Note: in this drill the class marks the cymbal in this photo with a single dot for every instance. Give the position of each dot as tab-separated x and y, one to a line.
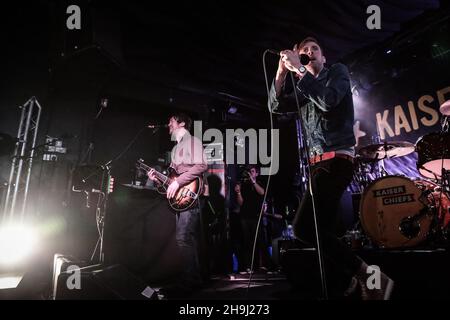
387	150
445	108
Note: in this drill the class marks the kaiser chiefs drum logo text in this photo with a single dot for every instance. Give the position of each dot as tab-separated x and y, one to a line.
393	195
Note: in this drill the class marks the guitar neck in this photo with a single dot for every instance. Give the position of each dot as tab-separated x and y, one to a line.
161	177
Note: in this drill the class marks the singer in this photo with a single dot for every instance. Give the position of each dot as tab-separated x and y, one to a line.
326	109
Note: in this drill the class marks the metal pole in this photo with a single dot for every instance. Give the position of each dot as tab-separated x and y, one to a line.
19	181
24	140
30	161
13	163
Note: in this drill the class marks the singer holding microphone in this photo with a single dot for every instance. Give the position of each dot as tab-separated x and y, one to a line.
326	109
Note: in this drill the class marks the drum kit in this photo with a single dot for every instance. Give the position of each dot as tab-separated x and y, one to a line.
396	211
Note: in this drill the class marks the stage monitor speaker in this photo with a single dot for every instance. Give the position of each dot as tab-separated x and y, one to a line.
98	282
299	263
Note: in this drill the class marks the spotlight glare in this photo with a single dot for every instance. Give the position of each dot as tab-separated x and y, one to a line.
16	243
9	281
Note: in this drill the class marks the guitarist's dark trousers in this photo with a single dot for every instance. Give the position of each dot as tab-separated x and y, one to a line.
187	237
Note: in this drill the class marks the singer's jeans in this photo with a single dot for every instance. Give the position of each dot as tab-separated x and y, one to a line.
330	179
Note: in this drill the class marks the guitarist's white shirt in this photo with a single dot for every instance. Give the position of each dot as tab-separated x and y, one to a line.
188	157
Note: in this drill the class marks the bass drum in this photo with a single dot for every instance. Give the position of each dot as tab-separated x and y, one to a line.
394	213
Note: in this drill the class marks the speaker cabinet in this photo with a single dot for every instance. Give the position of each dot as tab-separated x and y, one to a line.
98	282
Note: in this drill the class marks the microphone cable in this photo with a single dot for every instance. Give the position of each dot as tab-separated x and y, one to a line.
268	179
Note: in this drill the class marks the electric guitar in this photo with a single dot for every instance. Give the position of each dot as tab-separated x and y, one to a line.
185	196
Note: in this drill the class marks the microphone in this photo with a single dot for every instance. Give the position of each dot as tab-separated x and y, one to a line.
277	53
154	126
304	58
104	102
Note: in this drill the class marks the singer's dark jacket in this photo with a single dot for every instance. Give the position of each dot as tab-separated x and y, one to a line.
326	108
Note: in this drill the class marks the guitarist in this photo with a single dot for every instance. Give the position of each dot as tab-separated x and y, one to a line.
188	159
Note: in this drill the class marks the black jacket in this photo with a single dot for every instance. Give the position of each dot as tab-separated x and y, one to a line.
326	108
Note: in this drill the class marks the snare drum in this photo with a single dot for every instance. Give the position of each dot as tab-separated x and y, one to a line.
394	213
433	151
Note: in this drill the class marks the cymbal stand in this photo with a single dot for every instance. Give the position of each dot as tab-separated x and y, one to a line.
383	172
444	181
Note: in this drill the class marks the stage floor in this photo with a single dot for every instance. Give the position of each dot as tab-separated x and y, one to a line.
418	274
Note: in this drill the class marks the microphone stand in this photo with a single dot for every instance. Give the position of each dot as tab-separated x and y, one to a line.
102	205
311	191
